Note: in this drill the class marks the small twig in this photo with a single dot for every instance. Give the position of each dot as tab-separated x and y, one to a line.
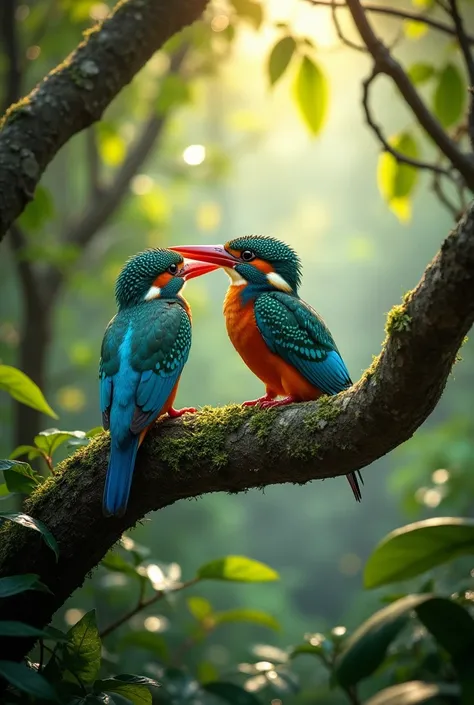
463	39
387	147
398	14
337	26
437	187
143	604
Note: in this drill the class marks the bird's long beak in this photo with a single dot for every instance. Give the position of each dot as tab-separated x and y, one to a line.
195	269
214	254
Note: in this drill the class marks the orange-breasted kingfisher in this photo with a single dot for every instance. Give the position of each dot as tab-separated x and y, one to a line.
278	335
144	350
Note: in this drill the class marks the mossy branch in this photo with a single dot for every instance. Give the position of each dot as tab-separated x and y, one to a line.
233	448
76	93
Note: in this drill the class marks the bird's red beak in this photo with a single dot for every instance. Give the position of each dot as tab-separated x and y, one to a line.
195	269
214	254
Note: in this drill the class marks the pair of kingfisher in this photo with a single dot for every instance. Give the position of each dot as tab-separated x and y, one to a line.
146	345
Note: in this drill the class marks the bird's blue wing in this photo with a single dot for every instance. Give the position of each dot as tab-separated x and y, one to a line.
295	332
160	347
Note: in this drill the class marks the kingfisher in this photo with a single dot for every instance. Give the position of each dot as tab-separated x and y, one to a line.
282	339
144	350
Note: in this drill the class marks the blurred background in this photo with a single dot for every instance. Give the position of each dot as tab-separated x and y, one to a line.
200	149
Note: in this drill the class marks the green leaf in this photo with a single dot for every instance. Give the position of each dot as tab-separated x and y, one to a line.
113	561
38	211
20	476
146	640
311	92
414	693
4	491
280	58
137	694
22	629
247	615
199	607
397	181
416	548
15	584
237	568
83	649
94	431
450	96
414	29
30	451
27	680
249	10
24	390
421	72
230	693
30	523
365	650
51	439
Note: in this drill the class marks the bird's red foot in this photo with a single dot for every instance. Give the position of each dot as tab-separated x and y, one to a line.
176	413
259	401
278	402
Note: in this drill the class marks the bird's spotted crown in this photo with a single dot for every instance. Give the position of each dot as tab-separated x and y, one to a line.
281	256
139	273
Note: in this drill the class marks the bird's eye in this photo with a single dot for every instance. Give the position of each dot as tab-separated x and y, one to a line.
247	255
173	268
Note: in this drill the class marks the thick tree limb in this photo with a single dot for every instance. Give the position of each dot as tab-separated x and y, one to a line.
233	449
75	94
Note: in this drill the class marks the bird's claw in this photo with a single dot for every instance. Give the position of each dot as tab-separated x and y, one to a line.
258	402
176	413
277	402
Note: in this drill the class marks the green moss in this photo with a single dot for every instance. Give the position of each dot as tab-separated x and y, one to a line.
15	111
206	442
261	423
398	321
458	357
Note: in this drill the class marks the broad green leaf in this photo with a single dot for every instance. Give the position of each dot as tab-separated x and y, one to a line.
30	451
397	181
450	96
249	10
15	584
38	211
415	693
136	693
94	431
247	615
27	680
280	58
416	548
237	568
51	439
199	607
30	523
311	91
151	641
113	561
22	629
24	390
231	693
421	72
4	491
83	649
365	650
19	476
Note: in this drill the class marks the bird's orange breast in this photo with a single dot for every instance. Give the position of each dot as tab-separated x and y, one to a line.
279	377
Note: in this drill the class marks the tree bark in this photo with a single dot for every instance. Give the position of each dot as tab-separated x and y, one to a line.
234	448
76	93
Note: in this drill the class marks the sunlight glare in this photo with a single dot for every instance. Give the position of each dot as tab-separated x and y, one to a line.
440	476
195	154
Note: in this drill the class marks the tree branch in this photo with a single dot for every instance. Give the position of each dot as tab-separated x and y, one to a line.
397	14
387	64
75	94
234	448
387	147
463	39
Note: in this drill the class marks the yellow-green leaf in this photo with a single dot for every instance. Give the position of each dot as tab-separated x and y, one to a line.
397	181
311	92
414	29
450	96
199	607
247	615
237	568
23	389
421	72
280	58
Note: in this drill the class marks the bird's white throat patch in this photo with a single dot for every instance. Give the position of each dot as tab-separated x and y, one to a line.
234	276
276	280
154	292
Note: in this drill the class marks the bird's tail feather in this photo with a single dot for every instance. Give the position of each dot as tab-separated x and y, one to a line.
119	477
353	478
